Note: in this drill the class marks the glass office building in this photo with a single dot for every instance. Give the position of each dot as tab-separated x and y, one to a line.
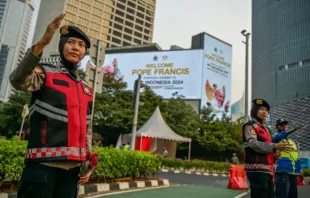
280	50
237	109
15	24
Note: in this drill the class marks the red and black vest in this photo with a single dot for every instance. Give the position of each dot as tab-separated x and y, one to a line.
255	161
60	113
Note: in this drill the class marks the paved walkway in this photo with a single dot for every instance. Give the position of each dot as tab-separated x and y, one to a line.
186	191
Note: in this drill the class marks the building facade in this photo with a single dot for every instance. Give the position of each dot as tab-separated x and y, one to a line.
280	50
16	17
297	113
237	109
115	22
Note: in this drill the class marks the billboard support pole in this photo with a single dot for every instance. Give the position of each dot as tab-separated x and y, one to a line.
135	117
246	94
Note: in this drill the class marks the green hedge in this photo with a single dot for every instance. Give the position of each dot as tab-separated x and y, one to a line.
196	164
113	163
12	153
306	172
118	163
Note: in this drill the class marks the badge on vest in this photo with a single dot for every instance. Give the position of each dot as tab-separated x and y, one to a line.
38	70
252	130
86	89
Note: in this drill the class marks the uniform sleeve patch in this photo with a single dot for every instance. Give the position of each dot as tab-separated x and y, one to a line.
252	130
38	70
86	89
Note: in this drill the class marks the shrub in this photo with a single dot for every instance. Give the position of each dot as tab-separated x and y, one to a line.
196	164
306	172
12	154
113	163
118	163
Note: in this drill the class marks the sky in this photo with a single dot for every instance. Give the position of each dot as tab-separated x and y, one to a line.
176	21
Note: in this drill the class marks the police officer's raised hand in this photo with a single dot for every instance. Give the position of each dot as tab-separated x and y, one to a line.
48	35
51	29
283	146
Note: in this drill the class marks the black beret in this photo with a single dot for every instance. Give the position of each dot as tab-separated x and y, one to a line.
261	103
73	31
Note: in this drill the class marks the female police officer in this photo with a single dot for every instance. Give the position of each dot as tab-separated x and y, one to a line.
60	113
259	151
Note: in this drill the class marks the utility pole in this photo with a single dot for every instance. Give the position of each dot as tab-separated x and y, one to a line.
246	94
137	87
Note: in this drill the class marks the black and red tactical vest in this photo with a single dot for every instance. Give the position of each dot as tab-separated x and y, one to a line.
255	161
60	113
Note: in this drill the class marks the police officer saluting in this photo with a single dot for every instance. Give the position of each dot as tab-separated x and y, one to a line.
60	115
259	151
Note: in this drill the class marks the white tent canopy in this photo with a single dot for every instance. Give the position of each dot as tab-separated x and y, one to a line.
156	127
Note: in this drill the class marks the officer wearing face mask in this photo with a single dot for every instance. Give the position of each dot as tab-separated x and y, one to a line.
259	151
60	113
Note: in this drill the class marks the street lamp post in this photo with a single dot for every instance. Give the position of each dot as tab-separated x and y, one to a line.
136	110
246	94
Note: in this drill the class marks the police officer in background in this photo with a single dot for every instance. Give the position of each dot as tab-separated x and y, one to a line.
259	151
288	165
60	113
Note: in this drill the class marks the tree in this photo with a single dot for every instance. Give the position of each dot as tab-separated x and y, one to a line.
211	137
10	113
182	119
114	113
81	73
219	137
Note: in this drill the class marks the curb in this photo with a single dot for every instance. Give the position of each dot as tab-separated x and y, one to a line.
101	188
196	173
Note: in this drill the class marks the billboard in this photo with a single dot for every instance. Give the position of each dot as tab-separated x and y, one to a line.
216	76
165	72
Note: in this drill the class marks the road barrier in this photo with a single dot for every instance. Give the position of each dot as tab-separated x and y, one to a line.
300	181
237	179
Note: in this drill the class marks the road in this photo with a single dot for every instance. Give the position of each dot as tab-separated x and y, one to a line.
193	179
191	191
194	186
